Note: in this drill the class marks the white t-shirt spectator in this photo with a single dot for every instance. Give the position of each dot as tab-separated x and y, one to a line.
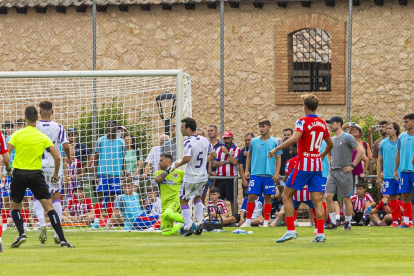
153	158
153	208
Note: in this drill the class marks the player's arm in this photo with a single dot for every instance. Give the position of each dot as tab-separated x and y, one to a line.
278	163
412	161
248	161
245	184
242	214
216	164
65	171
397	164
365	161
66	150
159	178
184	161
6	161
328	148
56	157
289	142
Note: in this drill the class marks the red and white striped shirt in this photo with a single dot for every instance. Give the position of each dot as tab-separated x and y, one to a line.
359	203
302	195
228	169
3	145
221	206
314	131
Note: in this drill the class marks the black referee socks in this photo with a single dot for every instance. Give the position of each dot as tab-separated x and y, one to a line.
18	221
55	221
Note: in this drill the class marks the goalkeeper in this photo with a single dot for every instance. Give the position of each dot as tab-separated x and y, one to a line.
169	181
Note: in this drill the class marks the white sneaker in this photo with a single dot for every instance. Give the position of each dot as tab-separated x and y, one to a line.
26	229
245	224
264	225
4	227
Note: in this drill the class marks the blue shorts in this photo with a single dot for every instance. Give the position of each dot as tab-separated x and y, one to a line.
6	189
324	184
109	185
406	183
298	179
144	222
259	185
390	186
296	204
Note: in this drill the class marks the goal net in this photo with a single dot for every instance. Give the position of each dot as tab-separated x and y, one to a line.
115	123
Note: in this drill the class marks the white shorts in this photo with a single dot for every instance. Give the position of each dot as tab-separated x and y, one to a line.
191	190
53	187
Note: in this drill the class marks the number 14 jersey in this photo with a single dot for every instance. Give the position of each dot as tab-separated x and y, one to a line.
198	147
314	131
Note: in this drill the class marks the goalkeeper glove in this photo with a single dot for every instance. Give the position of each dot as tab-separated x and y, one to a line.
170	169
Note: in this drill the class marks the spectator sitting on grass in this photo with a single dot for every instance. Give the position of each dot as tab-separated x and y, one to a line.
79	209
216	202
257	218
381	214
362	203
152	205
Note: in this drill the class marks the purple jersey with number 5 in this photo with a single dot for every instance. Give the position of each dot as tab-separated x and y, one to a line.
198	147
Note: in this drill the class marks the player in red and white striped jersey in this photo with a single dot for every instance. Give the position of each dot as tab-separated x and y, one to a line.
302	195
216	202
309	133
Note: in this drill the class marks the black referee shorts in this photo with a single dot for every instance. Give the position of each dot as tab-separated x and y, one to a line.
23	179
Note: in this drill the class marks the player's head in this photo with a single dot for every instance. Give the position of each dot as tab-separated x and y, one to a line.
248	138
228	138
393	129
264	127
287	133
214	194
46	109
383	127
200	131
212	131
188	126
127	186
294	149
165	161
310	103
20	123
111	127
409	122
79	192
31	115
152	192
361	188
335	123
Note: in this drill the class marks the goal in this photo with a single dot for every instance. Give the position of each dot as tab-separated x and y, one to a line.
142	106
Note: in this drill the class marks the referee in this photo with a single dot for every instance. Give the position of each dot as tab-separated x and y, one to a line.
29	145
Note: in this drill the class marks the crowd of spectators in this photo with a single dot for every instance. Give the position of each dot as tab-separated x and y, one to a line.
117	156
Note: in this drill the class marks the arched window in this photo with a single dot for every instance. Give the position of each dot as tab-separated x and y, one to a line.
311	60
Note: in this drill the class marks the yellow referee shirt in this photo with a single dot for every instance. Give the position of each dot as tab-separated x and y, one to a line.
29	144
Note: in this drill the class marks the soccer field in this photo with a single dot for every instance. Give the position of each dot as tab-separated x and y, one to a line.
361	251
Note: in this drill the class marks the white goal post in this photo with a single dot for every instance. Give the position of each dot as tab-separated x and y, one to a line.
144	103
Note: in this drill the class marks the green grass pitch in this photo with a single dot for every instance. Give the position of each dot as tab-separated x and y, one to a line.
361	251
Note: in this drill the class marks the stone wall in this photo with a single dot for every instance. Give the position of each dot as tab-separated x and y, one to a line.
382	68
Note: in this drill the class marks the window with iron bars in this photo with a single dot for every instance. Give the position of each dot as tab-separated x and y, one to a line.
311	60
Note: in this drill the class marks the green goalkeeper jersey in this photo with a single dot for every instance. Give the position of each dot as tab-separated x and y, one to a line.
170	188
